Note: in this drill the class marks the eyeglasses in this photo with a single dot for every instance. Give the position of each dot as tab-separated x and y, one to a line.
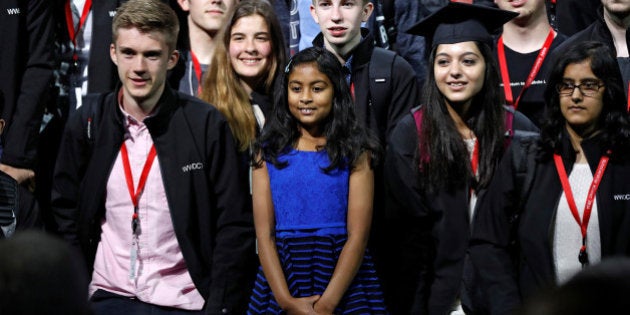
587	88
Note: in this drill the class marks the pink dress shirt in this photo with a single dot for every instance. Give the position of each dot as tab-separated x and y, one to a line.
161	276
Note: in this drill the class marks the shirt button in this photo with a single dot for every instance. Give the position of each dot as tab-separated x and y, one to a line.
224	311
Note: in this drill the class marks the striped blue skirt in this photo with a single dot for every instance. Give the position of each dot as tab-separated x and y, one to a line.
308	264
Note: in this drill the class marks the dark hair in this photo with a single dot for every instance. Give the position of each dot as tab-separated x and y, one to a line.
346	140
443	157
613	121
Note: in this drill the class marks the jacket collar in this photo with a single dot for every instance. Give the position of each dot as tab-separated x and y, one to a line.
592	148
361	53
166	105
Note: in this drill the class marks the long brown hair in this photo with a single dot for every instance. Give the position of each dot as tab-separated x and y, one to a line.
222	86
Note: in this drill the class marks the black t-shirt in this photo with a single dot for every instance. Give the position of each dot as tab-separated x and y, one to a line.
532	102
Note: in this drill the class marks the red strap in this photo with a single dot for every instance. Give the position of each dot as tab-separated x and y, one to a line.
628	96
352	90
197	67
505	75
70	22
599	173
474	161
135	194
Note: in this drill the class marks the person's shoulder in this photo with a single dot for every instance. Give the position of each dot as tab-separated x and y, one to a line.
522	123
401	66
96	101
592	32
384	57
558	40
189	102
196	108
405	133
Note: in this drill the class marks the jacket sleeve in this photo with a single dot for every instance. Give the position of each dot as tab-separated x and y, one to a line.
72	159
405	96
233	257
23	125
491	239
406	210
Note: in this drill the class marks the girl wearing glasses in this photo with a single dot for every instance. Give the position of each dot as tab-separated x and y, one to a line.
559	202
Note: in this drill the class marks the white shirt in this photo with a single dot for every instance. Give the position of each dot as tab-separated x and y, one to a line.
567	237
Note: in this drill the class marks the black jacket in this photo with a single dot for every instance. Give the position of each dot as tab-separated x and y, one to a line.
573	16
405	92
26	72
493	241
597	31
210	205
433	230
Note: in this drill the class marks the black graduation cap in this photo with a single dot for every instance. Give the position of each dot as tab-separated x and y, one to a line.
461	22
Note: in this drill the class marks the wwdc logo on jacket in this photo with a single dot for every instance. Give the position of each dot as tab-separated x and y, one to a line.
192	167
13	11
621	197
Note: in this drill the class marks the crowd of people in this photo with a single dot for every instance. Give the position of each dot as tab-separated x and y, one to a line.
313	156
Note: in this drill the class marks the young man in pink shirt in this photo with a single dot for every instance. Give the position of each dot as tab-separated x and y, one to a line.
149	185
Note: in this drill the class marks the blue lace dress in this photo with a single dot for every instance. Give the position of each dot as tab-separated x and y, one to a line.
310	211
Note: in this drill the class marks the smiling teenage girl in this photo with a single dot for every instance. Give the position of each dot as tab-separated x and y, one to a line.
246	61
439	162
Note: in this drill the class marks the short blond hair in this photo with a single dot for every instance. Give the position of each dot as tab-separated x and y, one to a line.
363	2
147	16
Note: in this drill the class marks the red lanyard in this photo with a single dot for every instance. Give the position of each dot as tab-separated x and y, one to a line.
197	67
352	90
601	167
532	73
70	22
135	194
629	97
474	161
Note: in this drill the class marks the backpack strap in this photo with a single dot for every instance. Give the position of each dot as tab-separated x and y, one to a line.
380	75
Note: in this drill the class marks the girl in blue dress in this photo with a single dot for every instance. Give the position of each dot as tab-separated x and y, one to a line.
312	195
